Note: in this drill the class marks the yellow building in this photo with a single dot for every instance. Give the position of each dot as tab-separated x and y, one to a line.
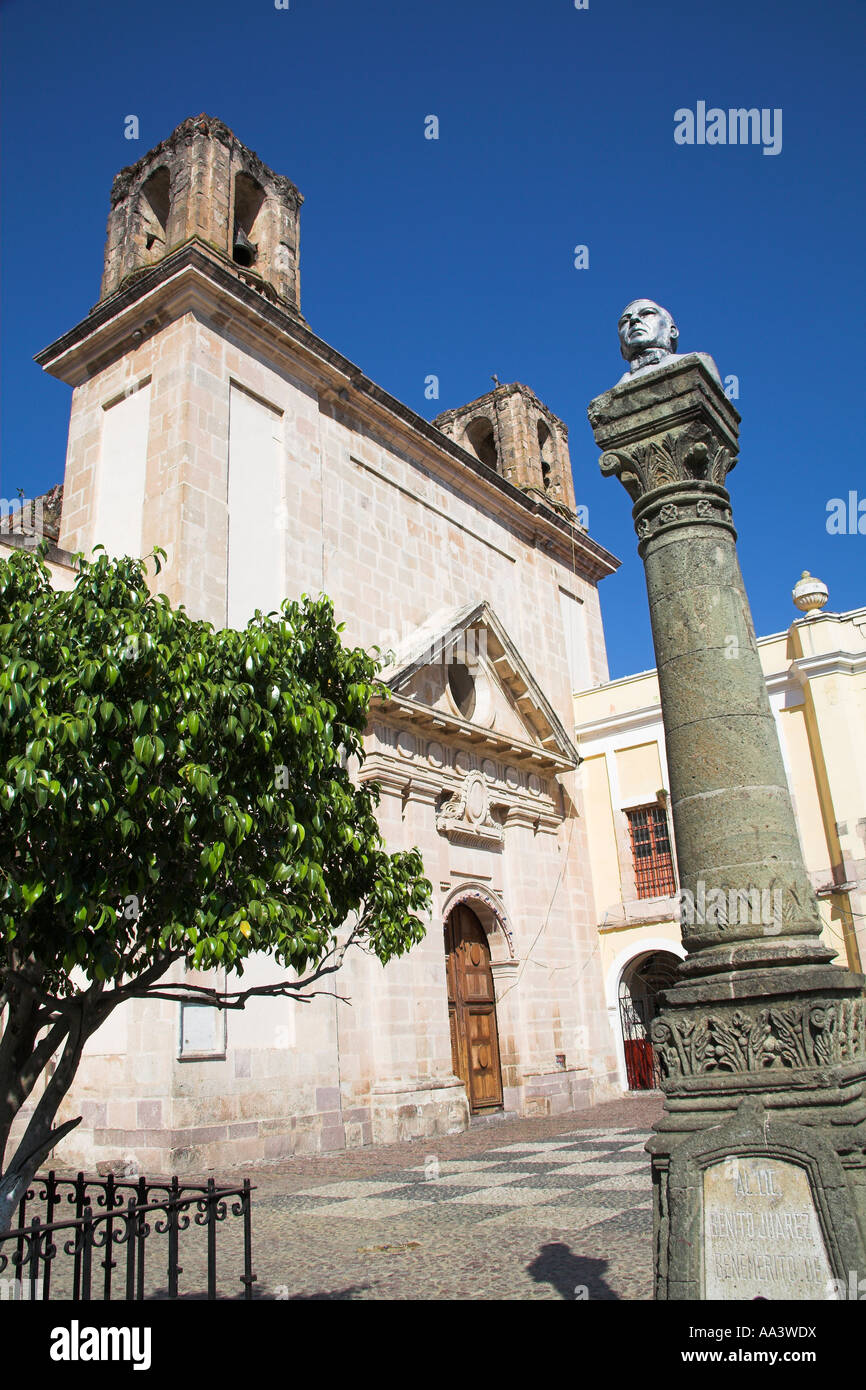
816	680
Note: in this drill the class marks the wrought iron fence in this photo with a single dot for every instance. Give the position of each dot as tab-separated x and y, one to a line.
72	1256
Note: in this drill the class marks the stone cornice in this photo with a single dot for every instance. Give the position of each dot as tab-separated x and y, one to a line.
839	663
53	553
197	278
628	722
793	677
411	780
649	717
677	395
853	615
405	713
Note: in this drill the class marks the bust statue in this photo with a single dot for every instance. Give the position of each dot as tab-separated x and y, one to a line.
648	339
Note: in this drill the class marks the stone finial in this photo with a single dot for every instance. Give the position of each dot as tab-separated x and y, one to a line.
809	594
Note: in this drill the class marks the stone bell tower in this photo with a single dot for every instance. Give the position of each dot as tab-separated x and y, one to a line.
182	412
511	430
202	183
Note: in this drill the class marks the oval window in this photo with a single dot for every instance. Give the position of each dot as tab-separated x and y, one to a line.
462	687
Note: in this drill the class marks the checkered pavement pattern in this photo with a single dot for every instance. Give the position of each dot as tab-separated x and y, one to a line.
574	1181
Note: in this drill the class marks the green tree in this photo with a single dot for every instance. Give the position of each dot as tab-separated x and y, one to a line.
170	792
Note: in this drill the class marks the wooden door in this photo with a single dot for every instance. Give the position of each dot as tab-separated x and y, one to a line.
472	1010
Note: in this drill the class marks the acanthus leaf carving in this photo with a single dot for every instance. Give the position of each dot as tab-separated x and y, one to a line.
810	1034
680	456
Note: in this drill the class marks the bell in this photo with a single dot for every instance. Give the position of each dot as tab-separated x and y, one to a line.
243	251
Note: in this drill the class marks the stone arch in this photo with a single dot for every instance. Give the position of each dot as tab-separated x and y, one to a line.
154	206
546	452
628	959
480	438
489	910
248	229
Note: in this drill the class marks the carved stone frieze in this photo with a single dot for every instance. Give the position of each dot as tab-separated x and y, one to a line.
468	815
411	765
675	506
801	1033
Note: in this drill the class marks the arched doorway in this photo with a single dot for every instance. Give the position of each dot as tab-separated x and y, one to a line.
641	982
472	1010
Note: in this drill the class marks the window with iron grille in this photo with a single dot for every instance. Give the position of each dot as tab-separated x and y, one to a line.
651	851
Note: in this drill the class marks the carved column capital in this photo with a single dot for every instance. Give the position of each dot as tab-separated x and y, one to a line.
671	439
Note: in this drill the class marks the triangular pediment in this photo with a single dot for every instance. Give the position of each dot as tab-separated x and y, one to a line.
462	669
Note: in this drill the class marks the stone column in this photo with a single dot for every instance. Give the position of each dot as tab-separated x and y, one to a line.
759	1162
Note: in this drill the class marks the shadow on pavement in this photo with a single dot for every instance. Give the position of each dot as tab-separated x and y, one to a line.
573	1276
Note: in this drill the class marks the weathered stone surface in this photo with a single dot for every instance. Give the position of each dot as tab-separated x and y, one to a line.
511	430
695	1137
762	1236
786	1033
203	183
762	1043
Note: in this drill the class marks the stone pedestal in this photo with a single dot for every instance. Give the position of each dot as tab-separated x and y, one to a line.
759	1163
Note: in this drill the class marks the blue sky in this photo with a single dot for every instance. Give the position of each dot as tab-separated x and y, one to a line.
455	256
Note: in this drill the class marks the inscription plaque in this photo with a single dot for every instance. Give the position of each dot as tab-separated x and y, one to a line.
762	1235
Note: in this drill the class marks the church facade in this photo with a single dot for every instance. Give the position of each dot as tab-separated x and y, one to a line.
209	419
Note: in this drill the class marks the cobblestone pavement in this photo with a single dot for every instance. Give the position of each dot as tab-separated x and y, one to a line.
511	1209
521	1209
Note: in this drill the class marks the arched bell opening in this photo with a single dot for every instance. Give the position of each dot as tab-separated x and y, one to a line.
547	454
154	206
481	440
249	203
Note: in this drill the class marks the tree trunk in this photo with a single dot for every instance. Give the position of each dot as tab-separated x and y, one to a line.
21	1172
40	1137
23	1059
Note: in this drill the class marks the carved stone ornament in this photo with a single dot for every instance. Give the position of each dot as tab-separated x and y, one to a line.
475	893
683	456
467	816
814	1033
